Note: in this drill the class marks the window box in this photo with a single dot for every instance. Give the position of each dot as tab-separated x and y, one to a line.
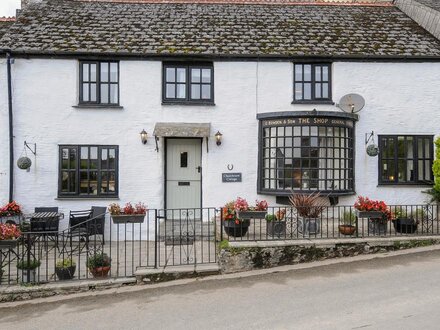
369	214
128	218
251	214
8	244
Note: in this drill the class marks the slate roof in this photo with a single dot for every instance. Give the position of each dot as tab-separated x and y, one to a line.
151	29
434	4
5	23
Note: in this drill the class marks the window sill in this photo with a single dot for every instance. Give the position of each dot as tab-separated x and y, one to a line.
97	106
207	103
325	193
72	198
418	184
314	102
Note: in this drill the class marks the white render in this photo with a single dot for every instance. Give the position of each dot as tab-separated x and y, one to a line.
401	98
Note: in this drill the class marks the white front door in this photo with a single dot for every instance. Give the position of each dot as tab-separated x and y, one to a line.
183	173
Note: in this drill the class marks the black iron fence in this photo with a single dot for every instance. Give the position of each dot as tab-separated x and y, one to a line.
95	248
332	222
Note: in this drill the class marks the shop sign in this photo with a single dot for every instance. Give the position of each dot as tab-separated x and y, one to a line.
308	121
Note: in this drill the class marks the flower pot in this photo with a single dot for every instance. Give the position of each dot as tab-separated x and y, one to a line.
405	225
28	278
236	229
309	226
251	214
276	228
347	229
128	218
100	271
8	244
369	214
65	273
377	227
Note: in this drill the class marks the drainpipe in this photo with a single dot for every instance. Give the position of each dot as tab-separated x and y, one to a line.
11	131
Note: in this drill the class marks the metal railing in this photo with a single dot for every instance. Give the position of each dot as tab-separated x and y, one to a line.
187	237
334	222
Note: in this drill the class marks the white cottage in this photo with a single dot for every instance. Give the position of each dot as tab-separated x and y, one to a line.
88	77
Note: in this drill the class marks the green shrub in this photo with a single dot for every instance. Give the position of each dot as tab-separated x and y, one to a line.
435	190
270	217
65	263
31	265
348	218
98	260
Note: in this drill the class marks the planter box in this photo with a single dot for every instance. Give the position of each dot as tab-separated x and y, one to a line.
276	228
251	214
32	276
100	272
65	273
369	214
309	226
347	230
8	244
377	228
128	218
236	230
405	226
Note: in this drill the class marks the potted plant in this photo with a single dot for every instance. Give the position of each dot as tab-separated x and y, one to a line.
406	223
275	224
11	213
9	235
28	269
377	213
309	209
65	269
99	264
258	211
232	224
348	223
128	214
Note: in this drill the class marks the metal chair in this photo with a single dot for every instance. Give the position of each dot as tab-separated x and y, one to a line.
77	232
97	222
47	224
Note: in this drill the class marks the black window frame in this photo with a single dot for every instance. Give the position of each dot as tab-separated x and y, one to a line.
188	82
395	181
98	83
77	170
313	82
346	175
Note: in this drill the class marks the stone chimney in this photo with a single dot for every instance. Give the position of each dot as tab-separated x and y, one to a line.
25	3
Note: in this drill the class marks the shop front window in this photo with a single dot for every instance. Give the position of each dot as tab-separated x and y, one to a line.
306	154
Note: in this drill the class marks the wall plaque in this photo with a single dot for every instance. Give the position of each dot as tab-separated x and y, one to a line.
231	177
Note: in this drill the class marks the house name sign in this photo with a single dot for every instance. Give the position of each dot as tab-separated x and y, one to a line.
306	121
231	177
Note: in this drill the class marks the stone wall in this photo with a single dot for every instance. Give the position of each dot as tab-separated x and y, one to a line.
239	259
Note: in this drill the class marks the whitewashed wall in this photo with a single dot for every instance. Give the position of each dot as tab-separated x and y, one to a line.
401	98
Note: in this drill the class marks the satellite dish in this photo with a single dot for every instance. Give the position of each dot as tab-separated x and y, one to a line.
351	103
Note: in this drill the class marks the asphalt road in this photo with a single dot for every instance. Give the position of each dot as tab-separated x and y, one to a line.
400	292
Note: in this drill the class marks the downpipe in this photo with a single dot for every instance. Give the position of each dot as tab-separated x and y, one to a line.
9	61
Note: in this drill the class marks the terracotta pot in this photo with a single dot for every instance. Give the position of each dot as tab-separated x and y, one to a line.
347	229
100	271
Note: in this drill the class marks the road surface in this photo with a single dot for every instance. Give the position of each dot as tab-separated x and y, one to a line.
401	292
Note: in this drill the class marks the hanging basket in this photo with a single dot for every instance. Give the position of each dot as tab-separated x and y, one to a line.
24	163
372	150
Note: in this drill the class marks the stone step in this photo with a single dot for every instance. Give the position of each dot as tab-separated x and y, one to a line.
177	271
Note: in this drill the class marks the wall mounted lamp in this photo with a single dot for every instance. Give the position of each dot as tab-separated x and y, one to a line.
144	136
218	138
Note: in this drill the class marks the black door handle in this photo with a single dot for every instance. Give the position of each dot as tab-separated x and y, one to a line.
199	169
